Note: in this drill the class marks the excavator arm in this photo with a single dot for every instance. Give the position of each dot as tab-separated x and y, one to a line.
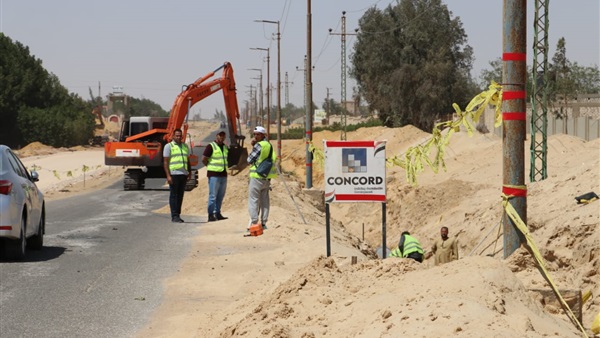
199	90
195	92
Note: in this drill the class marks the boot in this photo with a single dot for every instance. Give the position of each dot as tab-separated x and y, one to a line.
211	218
220	217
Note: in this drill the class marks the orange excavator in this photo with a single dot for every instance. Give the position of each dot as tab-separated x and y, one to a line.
143	138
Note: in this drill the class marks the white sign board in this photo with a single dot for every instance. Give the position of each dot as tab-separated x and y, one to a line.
319	115
355	171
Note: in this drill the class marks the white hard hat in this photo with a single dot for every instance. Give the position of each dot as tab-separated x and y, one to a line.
259	129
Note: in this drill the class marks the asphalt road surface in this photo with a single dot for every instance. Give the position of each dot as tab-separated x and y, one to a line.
102	268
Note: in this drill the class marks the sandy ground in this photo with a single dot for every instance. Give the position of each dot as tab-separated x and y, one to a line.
65	172
282	285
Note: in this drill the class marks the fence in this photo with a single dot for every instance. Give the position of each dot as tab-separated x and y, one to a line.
582	118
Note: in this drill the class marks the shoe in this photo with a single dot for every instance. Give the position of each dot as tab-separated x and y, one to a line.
176	219
211	218
264	225
220	217
181	221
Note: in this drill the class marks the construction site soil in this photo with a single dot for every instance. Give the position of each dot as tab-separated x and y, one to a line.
281	284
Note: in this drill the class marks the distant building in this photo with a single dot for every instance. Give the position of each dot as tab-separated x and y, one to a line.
350	106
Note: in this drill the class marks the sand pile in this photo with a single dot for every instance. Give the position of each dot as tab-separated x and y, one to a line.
390	298
36	149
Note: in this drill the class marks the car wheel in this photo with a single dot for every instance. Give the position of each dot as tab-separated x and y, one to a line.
37	242
17	247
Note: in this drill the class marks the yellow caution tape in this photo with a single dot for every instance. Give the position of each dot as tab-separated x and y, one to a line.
586	296
514	216
584	201
317	154
596	324
416	157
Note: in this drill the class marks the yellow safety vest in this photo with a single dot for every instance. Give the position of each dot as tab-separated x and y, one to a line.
264	153
218	160
411	245
179	157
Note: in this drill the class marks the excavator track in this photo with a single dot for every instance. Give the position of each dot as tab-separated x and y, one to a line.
193	182
134	179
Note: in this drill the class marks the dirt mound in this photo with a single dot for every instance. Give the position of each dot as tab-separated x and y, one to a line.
35	149
376	298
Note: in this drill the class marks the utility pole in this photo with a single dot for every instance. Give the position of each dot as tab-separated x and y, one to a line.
328	106
305	83
256	110
539	104
278	90
309	96
246	109
343	57
252	101
268	90
514	75
258	116
287	89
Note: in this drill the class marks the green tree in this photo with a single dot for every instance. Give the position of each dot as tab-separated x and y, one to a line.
145	107
65	125
587	79
333	108
569	78
494	73
562	85
411	62
34	106
290	112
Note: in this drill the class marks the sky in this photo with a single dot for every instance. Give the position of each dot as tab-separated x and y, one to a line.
153	48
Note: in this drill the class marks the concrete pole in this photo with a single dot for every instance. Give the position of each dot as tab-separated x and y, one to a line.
262	111
278	97
308	106
514	46
268	89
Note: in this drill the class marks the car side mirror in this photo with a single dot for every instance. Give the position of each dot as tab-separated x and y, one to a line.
35	176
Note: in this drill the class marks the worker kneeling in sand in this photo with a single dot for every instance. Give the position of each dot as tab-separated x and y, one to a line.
408	247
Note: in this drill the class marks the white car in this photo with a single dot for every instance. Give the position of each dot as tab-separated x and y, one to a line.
22	207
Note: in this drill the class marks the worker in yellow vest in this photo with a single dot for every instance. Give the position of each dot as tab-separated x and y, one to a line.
176	163
408	247
215	160
260	184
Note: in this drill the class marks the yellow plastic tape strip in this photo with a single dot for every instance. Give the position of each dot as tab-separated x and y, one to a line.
514	216
416	158
584	201
586	296
596	324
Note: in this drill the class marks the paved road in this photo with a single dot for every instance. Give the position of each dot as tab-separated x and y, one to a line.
101	270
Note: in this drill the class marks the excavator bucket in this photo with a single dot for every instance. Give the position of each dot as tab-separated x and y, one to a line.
237	158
